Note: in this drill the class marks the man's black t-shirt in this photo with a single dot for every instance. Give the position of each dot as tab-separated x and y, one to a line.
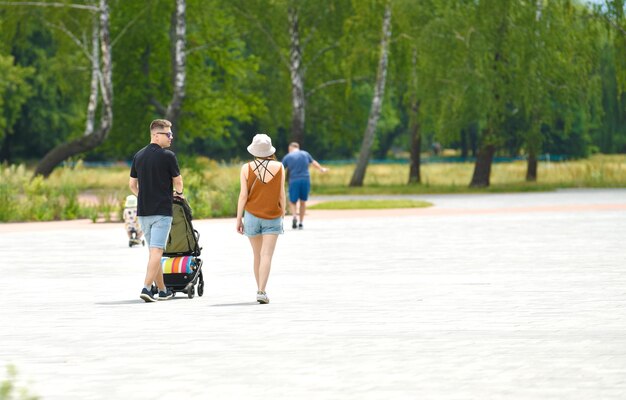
154	167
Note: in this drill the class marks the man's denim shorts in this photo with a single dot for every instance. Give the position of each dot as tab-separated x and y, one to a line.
253	226
156	229
299	190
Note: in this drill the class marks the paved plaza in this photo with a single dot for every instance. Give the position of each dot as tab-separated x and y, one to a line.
494	296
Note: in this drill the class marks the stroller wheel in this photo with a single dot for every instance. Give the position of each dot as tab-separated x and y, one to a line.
200	289
143	242
130	243
191	292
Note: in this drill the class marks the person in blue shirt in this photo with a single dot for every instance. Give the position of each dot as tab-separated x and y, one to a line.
297	163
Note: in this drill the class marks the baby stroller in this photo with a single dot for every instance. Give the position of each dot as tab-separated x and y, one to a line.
181	263
135	235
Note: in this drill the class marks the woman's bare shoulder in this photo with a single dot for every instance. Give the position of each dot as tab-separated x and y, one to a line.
276	165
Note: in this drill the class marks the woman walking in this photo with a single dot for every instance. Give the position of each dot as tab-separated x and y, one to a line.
262	196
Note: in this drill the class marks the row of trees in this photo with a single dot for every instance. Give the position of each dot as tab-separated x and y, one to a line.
348	79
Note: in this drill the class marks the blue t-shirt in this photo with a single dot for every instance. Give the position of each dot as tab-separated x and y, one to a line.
297	162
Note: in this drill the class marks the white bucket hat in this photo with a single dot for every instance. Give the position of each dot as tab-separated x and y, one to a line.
261	146
131	201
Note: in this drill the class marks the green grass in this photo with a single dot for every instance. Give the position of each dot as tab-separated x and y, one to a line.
212	188
369	204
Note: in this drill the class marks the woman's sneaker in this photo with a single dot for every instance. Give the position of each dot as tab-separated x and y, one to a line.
147	296
262	298
294	223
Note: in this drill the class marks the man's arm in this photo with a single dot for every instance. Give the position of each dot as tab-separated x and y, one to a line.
318	166
178	184
133	184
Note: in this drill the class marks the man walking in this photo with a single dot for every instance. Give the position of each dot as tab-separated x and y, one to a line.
154	178
297	163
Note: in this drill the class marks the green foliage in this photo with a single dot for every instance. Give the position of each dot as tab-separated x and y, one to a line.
9	389
535	81
210	193
24	199
52	108
14	91
222	88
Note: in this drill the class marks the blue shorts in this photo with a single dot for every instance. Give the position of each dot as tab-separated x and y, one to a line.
253	226
299	190
156	229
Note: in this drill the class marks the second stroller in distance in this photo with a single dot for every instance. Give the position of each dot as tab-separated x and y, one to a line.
133	230
181	263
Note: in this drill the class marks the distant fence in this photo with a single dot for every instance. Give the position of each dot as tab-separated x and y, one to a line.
436	160
423	160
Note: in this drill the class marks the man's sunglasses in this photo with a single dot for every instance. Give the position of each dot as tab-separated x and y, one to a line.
170	135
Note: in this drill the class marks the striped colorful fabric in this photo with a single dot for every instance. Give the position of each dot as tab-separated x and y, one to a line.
178	265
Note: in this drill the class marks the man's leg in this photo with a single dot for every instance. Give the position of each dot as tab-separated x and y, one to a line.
156	232
293	198
302	210
304	196
292	209
154	271
146	292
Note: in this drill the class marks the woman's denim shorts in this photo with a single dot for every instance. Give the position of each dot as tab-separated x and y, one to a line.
253	226
156	229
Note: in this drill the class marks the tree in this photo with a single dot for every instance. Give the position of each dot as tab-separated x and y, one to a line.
610	136
297	38
379	91
34	38
101	87
178	30
219	92
549	85
406	72
101	84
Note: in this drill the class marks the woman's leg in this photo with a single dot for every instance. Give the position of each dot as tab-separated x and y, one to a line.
257	243
267	251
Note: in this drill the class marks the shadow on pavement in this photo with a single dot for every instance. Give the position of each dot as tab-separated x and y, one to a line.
119	302
138	301
251	303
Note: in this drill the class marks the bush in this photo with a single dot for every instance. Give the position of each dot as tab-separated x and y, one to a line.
210	192
10	391
26	199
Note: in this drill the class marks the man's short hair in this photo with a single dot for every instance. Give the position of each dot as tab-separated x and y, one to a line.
294	145
159	124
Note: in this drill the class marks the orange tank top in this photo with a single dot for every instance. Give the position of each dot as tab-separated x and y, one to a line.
263	198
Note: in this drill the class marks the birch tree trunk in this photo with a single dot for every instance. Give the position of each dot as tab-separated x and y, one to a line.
178	50
297	78
179	58
377	101
92	105
103	68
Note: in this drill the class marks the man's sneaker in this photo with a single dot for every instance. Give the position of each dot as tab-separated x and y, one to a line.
147	296
300	226
166	295
294	223
262	298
